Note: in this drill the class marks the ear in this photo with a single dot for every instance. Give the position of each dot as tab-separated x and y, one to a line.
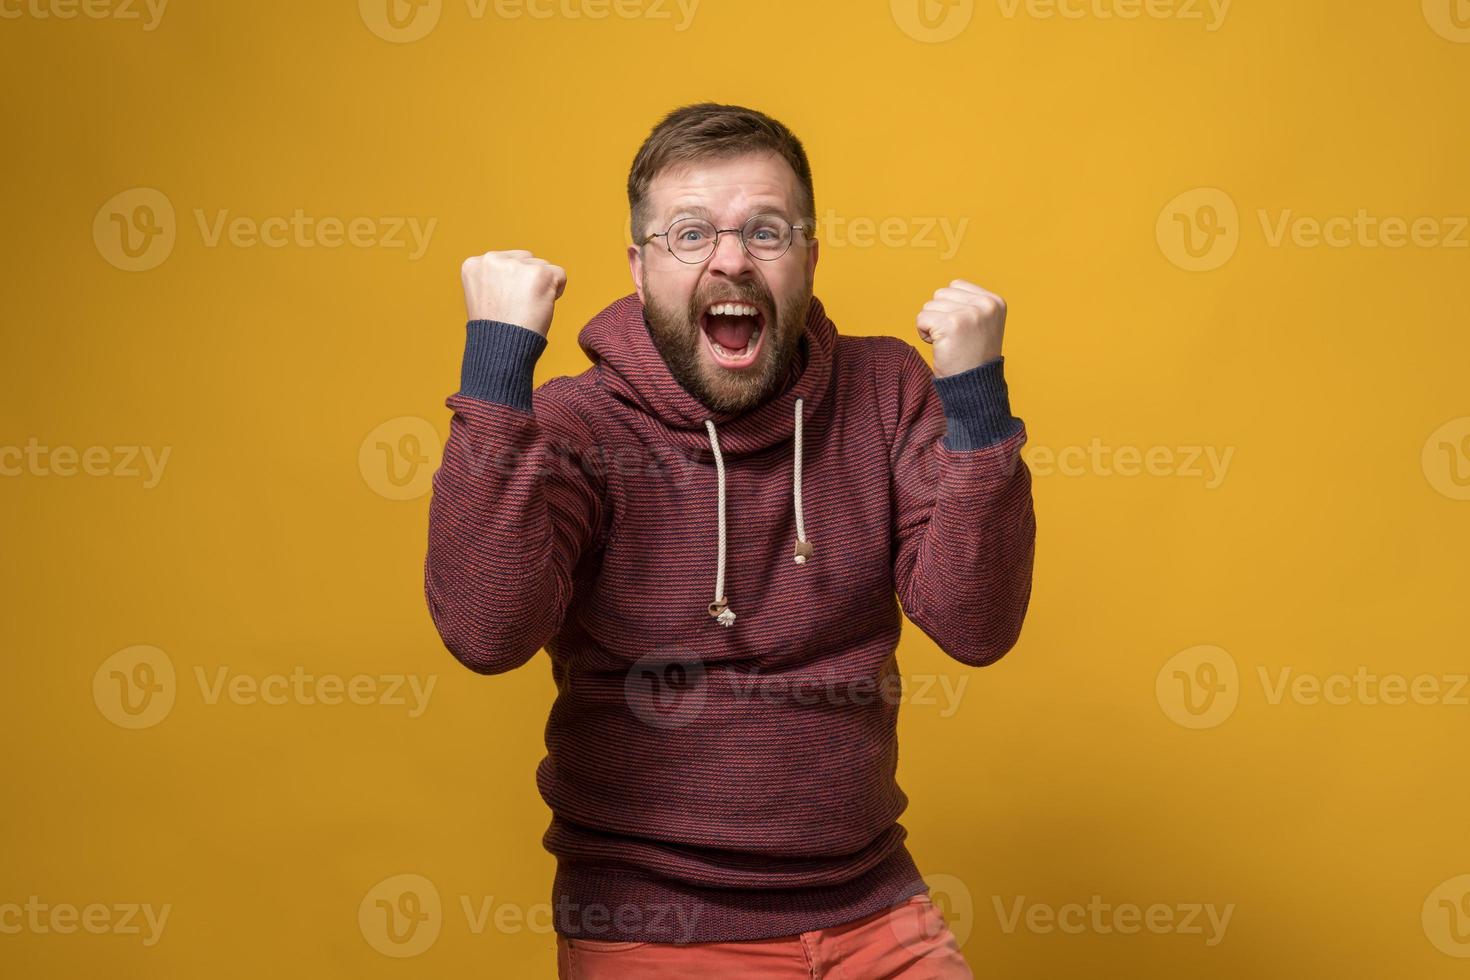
811	259
635	268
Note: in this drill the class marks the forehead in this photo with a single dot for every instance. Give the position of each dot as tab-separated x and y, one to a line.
730	186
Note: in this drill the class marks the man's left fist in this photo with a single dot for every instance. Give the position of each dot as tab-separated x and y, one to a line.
965	324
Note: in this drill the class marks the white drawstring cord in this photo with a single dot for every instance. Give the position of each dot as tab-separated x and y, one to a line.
804	549
720	608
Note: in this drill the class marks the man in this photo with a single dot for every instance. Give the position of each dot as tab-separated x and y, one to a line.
710	531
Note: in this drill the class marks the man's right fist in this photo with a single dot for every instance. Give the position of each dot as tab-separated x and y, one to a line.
512	287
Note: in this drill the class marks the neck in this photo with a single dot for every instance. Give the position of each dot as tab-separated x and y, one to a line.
798	365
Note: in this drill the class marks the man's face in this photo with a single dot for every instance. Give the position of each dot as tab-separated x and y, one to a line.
677	296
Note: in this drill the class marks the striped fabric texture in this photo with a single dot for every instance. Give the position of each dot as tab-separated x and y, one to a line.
714	783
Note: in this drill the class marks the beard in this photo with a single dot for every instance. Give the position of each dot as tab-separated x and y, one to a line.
678	334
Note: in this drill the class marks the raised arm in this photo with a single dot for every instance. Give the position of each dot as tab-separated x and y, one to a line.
965	521
518	498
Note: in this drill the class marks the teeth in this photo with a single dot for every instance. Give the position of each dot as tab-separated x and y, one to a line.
733	309
727	352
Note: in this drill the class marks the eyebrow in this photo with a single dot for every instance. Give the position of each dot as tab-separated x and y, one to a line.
699	211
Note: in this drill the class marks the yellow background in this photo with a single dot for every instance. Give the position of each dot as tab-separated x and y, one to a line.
1336	540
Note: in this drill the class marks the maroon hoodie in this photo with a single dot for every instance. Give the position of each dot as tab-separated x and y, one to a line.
719	598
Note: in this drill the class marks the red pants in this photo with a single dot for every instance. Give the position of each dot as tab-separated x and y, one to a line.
909	941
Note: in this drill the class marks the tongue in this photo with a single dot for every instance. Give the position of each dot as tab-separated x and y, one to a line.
731	332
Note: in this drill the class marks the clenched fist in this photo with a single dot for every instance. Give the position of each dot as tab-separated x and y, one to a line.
964	323
512	287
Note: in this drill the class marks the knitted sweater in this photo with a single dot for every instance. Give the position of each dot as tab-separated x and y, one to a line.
719	598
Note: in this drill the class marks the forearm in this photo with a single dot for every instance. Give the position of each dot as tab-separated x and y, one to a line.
966	579
504	526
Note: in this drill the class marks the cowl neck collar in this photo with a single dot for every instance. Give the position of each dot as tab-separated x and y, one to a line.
631	368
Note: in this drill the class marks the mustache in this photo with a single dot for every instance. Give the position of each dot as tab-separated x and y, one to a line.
755	297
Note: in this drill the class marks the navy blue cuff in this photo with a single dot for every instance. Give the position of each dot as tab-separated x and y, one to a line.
977	407
499	360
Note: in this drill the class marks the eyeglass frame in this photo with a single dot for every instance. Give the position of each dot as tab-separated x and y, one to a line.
739	233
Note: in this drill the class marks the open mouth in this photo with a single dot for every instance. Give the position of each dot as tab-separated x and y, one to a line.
733	332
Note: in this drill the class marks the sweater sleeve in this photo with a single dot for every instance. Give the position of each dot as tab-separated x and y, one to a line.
517	501
965	525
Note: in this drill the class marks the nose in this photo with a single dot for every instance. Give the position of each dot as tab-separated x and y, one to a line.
730	258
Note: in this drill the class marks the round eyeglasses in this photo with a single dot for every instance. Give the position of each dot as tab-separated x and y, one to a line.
763	236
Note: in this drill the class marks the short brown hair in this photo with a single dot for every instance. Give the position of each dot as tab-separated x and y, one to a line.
710	130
